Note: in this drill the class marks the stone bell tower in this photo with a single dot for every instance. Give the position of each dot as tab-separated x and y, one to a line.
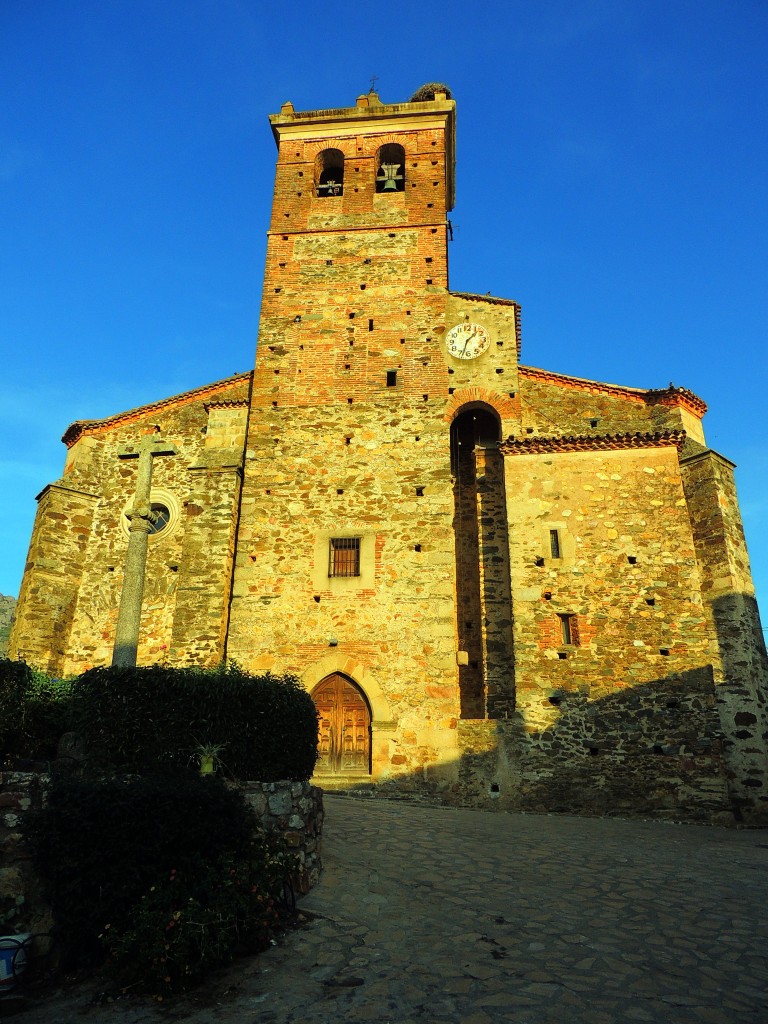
345	554
356	265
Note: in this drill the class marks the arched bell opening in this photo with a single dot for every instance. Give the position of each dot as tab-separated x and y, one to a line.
483	591
476	424
329	173
390	168
344	746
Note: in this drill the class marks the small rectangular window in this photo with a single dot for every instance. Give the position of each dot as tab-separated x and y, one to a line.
566	628
554	543
391	378
344	556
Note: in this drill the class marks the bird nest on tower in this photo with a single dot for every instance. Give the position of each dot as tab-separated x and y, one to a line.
427	92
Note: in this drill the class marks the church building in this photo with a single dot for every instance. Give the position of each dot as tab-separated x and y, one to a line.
502	585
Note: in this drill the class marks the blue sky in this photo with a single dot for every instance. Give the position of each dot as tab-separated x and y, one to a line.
611	177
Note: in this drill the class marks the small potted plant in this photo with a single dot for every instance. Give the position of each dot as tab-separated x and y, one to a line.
208	756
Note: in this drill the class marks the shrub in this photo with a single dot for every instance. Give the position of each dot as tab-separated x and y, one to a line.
34	711
139	719
196	918
125	862
15	679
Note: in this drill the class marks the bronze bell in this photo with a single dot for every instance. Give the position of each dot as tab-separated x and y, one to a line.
391	177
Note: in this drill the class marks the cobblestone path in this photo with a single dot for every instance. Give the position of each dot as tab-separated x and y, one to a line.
429	914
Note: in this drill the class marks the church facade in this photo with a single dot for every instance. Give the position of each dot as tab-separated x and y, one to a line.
502	585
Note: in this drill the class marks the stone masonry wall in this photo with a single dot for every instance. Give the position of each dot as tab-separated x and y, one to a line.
22	907
293	810
53	576
650	751
627	575
71	588
740	663
555	404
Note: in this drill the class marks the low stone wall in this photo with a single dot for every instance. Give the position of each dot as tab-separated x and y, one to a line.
22	907
293	809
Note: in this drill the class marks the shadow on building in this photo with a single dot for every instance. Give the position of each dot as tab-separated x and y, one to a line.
688	746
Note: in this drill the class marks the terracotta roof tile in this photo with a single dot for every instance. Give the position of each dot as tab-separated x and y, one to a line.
654	396
79	427
590	443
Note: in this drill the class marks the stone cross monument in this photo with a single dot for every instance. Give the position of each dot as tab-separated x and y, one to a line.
142	518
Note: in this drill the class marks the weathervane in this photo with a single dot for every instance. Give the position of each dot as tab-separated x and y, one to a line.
374	80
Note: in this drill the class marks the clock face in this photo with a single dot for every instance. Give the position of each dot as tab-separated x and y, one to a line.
467	341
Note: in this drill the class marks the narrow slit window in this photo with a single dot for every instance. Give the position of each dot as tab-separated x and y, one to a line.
391	378
554	543
344	556
566	629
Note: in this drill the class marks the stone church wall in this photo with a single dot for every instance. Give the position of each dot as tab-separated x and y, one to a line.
553	596
627	576
652	750
739	655
80	538
555	404
53	576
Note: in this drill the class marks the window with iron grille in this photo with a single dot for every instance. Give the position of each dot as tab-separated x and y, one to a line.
344	556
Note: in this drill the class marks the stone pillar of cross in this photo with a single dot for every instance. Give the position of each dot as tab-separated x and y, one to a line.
141	517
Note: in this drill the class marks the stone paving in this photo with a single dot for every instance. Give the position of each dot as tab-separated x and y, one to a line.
429	914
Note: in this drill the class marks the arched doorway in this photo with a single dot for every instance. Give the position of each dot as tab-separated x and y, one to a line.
344	746
483	596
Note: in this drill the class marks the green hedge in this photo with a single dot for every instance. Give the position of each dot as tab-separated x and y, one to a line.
139	719
33	711
15	680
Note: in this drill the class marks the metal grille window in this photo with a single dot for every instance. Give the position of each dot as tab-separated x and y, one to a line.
344	556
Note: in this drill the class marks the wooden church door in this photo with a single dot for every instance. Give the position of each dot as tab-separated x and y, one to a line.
345	728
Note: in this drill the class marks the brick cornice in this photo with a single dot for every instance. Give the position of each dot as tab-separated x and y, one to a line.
80	427
671	396
592	443
503	405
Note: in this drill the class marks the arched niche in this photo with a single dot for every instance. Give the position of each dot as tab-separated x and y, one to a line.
390	168
336	661
329	173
